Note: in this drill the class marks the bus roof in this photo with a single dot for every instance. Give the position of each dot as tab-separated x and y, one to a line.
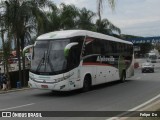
72	33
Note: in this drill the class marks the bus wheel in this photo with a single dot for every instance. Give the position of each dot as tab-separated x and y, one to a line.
86	84
123	76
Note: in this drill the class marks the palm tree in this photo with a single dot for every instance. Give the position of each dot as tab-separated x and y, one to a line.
85	19
100	6
22	17
16	17
106	27
68	16
2	32
6	46
54	19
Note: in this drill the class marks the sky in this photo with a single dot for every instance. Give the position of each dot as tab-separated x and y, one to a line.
133	17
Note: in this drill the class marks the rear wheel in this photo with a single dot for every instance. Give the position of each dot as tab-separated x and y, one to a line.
86	84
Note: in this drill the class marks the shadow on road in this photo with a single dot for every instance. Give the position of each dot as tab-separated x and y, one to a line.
109	84
79	91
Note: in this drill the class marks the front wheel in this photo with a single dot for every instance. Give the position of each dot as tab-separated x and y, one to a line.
86	84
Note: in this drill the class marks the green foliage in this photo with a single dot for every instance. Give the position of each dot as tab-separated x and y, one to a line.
106	27
68	16
100	4
85	19
7	49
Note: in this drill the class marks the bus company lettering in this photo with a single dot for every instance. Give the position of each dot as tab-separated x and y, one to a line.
105	59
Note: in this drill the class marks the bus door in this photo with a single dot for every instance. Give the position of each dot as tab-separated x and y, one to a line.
73	65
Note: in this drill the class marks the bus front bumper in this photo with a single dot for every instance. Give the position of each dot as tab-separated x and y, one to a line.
60	86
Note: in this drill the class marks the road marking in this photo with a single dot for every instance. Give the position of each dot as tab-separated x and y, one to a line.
135	108
138	78
16	107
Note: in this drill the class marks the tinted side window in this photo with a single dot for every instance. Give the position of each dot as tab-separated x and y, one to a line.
92	46
108	47
97	46
75	52
88	46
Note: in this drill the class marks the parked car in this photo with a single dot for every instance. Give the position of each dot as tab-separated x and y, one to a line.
147	67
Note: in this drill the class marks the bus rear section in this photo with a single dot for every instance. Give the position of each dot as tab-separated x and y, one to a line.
106	60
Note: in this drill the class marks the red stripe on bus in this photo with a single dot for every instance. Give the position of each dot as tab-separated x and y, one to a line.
93	63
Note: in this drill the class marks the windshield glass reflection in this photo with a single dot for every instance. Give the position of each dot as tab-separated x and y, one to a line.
48	56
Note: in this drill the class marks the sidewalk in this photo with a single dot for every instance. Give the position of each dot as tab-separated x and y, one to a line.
14	90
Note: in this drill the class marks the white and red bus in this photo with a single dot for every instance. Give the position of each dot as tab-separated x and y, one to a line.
74	59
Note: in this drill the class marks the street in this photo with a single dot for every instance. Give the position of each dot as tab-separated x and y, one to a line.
113	96
57	55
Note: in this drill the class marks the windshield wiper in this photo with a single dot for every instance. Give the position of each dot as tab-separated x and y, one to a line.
41	62
50	64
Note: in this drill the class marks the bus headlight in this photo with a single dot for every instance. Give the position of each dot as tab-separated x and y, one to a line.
59	80
62	79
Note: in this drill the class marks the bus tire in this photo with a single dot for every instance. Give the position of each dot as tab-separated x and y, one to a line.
123	76
86	83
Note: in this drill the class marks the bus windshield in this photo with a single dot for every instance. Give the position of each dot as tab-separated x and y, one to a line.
48	56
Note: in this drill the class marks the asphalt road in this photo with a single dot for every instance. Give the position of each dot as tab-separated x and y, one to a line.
113	96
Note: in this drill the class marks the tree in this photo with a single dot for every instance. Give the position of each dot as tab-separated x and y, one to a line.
16	16
21	17
54	19
6	46
2	32
106	27
100	6
68	16
85	19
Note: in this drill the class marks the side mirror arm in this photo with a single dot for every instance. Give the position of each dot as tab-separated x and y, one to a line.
68	47
27	47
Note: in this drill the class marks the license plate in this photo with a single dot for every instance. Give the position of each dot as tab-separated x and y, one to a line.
44	86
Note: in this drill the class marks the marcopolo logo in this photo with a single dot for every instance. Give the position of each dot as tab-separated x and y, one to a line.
105	59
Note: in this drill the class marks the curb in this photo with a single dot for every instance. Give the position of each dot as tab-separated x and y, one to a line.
14	90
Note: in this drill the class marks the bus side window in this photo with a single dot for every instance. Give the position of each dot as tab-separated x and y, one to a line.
103	48
74	56
109	47
97	47
75	52
89	46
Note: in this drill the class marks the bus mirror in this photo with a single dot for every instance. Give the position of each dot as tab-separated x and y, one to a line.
27	47
68	47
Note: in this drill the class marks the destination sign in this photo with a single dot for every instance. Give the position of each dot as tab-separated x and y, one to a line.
145	40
